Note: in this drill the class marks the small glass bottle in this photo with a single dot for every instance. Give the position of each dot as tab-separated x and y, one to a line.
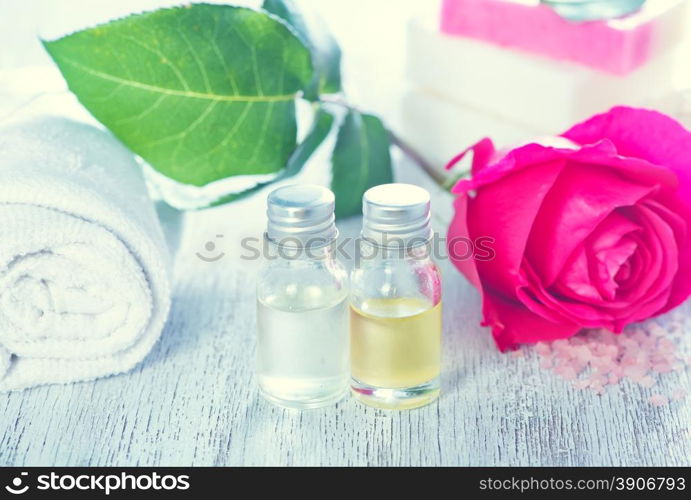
395	302
302	302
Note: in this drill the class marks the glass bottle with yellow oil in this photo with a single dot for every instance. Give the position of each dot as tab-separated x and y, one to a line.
395	302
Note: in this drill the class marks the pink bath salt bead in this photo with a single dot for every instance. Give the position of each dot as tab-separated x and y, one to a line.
577	339
560	368
543	349
649	344
582	353
665	345
646	381
581	384
592	346
634	371
626	351
565	352
601	369
558	344
617	371
603	364
658	331
600	349
627	342
518	353
637	351
639	336
662	367
597	388
600	360
612	351
578	365
659	358
679	393
674	327
569	373
608	338
658	400
613	379
563	356
635	360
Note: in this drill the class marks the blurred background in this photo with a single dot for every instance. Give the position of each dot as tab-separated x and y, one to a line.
439	91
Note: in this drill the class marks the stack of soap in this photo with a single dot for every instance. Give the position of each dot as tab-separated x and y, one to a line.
510	70
617	46
438	128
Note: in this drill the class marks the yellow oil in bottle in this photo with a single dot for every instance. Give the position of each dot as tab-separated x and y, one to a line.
396	344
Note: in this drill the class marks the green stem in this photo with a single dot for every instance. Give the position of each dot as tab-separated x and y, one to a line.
446	182
435	174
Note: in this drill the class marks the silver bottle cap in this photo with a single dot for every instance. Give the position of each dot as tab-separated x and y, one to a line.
396	215
301	215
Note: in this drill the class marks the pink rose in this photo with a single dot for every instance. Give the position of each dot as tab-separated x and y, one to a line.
591	233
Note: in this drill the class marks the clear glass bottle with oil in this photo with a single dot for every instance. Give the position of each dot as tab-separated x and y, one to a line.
395	302
302	306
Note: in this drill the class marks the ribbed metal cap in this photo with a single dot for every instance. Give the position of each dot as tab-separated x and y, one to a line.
301	215
396	214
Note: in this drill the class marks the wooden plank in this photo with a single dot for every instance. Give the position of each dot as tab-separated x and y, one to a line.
193	401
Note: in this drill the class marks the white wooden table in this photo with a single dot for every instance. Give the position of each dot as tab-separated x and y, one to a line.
193	401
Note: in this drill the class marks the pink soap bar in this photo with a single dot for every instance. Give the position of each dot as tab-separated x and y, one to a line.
616	46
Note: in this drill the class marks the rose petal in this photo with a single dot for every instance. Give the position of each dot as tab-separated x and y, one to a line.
483	151
678	217
505	212
458	240
542	302
611	248
641	133
514	161
513	324
575	281
580	199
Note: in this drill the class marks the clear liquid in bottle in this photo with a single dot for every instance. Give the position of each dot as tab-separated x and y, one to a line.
302	347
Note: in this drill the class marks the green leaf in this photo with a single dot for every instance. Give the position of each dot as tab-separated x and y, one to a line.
325	50
361	159
201	92
323	123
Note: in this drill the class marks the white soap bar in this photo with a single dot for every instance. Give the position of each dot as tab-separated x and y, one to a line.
616	46
439	128
525	88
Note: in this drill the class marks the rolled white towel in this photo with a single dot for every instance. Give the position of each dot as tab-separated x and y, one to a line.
84	287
